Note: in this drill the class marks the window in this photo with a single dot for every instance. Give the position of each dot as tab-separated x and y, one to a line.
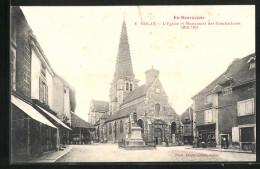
209	116
43	71
13	69
227	90
245	107
157	107
127	86
251	62
121	126
209	98
43	92
247	134
131	87
252	65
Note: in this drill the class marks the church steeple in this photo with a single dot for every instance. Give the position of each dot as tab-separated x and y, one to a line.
123	64
124	79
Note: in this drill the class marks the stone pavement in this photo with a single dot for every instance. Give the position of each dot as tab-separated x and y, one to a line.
111	153
52	156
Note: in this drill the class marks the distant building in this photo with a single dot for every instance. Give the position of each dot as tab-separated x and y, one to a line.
97	108
187	121
81	130
226	107
130	104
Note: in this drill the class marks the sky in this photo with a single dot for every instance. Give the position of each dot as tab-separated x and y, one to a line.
81	44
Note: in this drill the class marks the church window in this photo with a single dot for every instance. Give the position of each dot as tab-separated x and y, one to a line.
121	126
131	87
127	86
157	107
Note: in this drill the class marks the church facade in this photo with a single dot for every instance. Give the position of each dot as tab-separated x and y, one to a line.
130	104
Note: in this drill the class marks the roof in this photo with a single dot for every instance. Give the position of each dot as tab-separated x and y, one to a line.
105	116
100	106
123	112
123	63
137	93
238	72
187	114
97	123
78	122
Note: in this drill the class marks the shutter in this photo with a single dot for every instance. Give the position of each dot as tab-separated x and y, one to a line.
40	89
241	108
206	116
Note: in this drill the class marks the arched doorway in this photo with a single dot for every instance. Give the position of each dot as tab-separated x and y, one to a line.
173	131
141	124
158	136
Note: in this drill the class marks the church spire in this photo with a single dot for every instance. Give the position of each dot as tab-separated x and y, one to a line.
123	64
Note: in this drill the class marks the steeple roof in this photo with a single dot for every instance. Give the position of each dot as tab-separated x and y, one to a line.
123	64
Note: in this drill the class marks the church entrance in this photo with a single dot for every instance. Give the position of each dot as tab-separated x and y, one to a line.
158	136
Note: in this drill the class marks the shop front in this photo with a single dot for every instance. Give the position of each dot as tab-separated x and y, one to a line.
207	135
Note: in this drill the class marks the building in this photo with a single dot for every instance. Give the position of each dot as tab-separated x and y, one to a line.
81	130
187	121
35	127
97	108
225	109
31	132
65	104
130	104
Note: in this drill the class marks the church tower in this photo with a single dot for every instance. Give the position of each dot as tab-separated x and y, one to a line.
124	79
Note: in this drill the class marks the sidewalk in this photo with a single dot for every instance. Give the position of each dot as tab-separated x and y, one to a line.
52	156
222	150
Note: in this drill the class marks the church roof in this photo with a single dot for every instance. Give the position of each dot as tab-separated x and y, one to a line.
238	72
100	106
123	112
123	63
78	122
137	93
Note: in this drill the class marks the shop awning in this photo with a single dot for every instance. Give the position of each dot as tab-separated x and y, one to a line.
54	118
30	111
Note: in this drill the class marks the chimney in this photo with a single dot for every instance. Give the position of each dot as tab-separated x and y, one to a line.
151	75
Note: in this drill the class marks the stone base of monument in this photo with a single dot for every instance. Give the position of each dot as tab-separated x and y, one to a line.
135	141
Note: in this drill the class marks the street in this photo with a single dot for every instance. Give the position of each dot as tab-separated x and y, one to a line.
111	153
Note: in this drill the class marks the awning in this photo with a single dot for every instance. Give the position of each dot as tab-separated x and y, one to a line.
54	118
30	111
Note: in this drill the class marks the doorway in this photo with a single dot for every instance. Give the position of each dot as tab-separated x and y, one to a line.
158	136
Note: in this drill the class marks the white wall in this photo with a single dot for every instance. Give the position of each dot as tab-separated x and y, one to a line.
35	74
67	102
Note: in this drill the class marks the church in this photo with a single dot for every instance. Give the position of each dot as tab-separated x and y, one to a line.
129	104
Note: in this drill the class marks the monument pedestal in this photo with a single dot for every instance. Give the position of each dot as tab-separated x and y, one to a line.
135	140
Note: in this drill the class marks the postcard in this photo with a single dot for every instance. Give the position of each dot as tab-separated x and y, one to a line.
132	84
